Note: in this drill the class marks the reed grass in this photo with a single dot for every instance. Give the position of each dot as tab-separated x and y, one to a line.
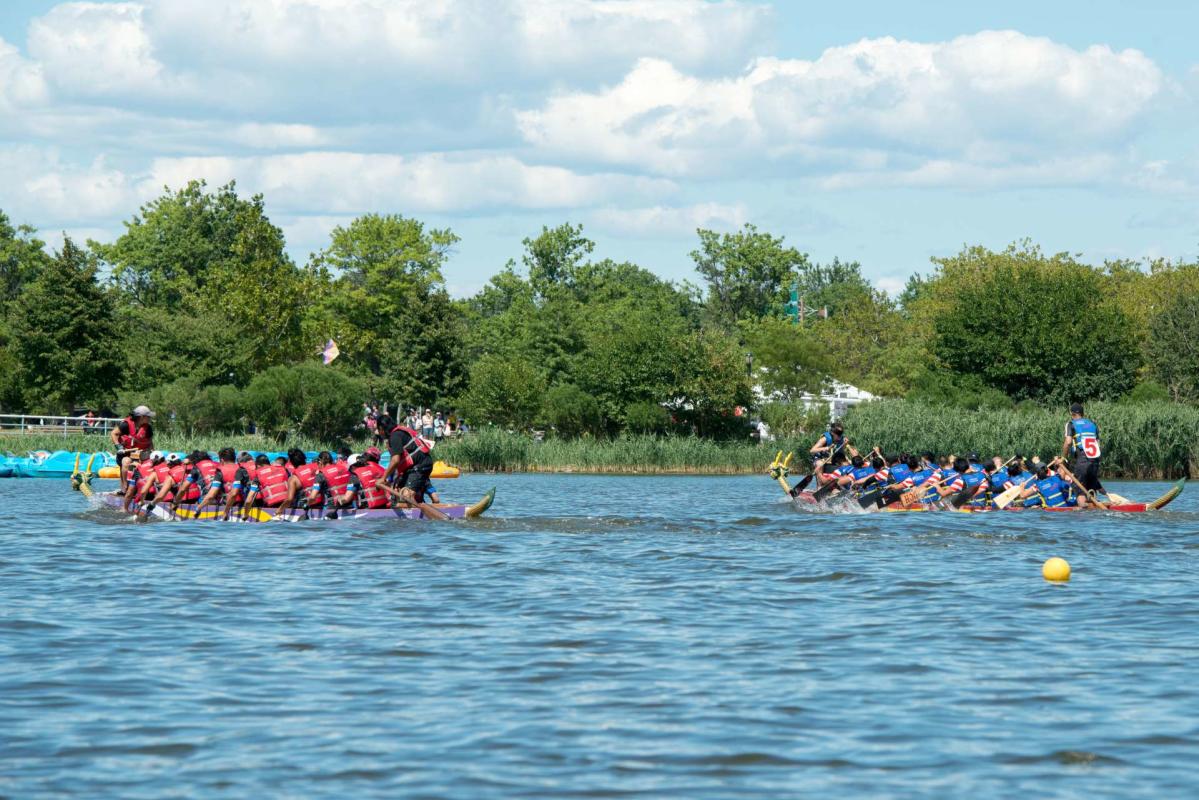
1143	440
21	444
1150	440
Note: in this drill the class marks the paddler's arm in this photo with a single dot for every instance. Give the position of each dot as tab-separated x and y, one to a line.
819	447
1067	440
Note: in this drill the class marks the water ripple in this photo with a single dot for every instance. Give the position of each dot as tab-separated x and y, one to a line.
598	637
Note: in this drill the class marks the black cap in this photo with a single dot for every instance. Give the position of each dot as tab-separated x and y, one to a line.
1076	408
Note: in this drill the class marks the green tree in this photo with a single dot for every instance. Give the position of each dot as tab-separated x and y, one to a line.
554	257
788	361
1173	346
747	272
838	287
713	382
194	259
22	257
388	308
572	412
505	391
1065	338
62	335
311	399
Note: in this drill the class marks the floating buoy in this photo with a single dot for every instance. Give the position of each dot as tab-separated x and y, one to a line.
1056	569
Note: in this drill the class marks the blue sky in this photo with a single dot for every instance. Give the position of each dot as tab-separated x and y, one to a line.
881	132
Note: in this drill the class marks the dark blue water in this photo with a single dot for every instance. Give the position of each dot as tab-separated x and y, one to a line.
599	637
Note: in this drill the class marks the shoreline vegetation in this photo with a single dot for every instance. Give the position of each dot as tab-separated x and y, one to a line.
1155	441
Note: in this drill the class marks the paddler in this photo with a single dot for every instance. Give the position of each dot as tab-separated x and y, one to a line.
223	482
170	482
831	442
410	467
238	482
130	435
1049	490
141	475
951	481
1082	442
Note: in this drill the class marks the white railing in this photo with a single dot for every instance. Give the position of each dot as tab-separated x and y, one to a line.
44	423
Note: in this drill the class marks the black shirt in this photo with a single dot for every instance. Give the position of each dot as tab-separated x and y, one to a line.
397	443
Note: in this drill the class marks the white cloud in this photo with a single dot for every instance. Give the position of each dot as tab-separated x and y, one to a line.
350	183
669	221
97	49
990	99
21	81
39	185
357	59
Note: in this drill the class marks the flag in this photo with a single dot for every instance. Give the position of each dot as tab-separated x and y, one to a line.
330	352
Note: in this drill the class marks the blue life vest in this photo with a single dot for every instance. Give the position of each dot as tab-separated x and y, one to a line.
1051	493
834	443
922	475
843	470
998	481
947	477
861	472
899	473
973	480
1085	429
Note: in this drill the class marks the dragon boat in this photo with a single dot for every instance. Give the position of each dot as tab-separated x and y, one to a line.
189	511
82	482
779	470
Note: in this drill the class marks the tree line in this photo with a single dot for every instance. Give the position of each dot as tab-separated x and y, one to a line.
198	307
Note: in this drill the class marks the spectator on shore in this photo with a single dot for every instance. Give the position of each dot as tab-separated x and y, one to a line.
426	424
438	426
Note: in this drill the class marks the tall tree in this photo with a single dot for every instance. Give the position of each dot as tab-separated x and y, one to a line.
63	325
388	307
1032	326
22	257
1173	347
747	272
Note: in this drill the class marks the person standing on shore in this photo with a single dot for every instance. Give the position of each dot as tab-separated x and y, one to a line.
1082	441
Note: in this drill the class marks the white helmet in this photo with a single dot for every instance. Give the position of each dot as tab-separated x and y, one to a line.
143	411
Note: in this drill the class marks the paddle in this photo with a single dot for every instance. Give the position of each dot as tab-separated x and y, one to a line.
1005	499
1085	490
966	495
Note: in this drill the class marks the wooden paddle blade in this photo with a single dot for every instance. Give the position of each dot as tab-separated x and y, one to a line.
1117	499
1005	498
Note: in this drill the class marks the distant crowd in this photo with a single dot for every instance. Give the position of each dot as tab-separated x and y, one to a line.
431	425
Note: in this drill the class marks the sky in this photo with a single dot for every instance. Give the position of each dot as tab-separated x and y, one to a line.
879	132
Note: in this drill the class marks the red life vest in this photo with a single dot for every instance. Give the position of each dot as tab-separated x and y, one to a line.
145	474
178	474
337	477
306	473
137	438
272	485
415	445
161	471
228	473
369	474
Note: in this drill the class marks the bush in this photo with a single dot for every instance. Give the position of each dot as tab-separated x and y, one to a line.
1147	392
646	418
311	399
572	412
794	419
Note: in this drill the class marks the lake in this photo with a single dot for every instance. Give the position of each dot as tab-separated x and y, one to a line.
599	637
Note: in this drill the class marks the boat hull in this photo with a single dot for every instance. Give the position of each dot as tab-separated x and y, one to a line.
189	511
808	500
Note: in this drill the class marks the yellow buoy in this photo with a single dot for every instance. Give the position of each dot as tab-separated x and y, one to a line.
1056	569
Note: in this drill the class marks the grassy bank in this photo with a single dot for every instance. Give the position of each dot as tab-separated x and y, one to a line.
1148	440
1154	440
91	443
